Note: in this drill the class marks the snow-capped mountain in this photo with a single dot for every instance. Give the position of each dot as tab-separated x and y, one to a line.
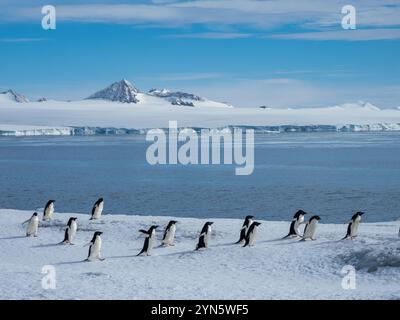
177	98
358	105
121	91
13	96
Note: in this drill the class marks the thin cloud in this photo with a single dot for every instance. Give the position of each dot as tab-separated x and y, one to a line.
21	39
210	35
187	76
343	35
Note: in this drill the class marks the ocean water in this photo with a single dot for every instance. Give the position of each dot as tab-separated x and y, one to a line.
329	174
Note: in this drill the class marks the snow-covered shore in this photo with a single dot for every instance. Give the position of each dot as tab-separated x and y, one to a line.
273	269
91	117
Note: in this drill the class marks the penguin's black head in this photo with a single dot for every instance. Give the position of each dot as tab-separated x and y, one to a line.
360	213
154	227
315	218
98	233
100	200
74	218
249	217
300	213
35	214
256	223
174	221
209	223
52	201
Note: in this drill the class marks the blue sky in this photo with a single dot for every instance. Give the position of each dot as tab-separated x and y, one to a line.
246	52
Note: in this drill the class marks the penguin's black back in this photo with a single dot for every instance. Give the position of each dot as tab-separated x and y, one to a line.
201	244
145	245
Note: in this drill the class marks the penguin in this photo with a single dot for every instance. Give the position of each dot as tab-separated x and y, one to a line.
95	247
70	231
353	226
33	223
252	234
205	235
169	234
298	219
246	224
311	226
48	210
97	209
149	241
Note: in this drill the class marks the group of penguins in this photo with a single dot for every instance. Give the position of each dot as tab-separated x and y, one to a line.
248	232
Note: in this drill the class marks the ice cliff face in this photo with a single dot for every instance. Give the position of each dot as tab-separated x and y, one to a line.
121	91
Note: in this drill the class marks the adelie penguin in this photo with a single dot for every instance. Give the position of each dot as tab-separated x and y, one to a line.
243	231
252	234
95	247
205	235
97	209
297	220
70	231
48	210
149	240
169	234
353	226
33	224
311	226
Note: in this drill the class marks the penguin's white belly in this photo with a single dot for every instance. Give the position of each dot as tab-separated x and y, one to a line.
169	237
48	214
72	232
98	211
354	228
207	237
32	226
253	236
151	244
297	224
310	231
95	250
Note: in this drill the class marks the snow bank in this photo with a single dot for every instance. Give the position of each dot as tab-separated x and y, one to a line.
272	269
110	117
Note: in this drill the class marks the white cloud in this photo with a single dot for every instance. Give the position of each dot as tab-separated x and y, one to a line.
317	15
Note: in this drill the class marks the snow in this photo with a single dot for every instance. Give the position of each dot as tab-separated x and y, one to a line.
273	268
152	111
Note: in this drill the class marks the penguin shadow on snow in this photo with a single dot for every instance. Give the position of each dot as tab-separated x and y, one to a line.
14	237
72	262
48	245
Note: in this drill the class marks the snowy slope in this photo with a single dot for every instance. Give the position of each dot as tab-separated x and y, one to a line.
11	95
272	269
